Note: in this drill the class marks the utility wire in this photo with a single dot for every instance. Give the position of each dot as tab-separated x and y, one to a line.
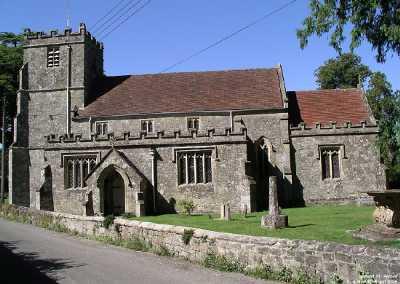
116	16
229	36
106	15
127	18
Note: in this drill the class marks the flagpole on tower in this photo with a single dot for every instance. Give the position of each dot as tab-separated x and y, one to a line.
67	12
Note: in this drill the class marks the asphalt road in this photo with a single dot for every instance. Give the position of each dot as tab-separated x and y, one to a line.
33	255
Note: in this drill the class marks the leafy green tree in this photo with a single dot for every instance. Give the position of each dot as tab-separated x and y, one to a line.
10	62
385	104
347	71
344	71
376	21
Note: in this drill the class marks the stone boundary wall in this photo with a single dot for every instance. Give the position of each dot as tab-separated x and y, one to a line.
321	258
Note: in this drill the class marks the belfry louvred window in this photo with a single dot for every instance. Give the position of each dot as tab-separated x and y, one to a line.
77	169
53	56
330	162
194	167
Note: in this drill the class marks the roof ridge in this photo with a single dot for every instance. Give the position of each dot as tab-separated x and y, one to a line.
197	72
328	90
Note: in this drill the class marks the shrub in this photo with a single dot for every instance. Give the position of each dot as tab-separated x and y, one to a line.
285	275
162	251
364	277
186	206
335	279
108	220
187	236
262	272
137	244
222	263
127	215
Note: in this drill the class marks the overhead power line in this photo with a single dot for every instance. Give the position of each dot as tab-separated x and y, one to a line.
116	16
106	14
126	19
229	36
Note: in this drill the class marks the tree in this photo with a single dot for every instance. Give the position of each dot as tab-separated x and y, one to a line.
344	71
11	54
385	104
376	21
347	71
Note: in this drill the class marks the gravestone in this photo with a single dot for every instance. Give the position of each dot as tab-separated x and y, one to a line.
274	219
140	210
225	212
244	210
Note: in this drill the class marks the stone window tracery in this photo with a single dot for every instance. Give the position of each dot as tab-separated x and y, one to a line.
77	168
194	167
53	56
330	162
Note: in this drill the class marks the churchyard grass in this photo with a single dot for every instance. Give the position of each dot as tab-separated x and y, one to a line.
324	223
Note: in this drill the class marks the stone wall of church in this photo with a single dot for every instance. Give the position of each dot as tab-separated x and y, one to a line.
229	184
360	168
18	176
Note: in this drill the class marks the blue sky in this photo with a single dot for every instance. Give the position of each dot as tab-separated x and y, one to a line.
169	30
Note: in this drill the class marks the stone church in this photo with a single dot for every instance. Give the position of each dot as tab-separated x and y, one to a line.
90	144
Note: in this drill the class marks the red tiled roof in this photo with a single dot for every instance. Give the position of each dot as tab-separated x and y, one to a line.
324	106
187	92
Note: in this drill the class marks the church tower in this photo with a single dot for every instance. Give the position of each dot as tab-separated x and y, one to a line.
59	74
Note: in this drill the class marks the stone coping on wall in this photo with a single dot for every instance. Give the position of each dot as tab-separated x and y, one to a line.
261	240
244	239
324	259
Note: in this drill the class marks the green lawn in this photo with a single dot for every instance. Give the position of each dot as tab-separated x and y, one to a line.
325	223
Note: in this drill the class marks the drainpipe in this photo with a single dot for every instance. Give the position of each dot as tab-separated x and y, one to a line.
153	178
68	91
232	122
90	126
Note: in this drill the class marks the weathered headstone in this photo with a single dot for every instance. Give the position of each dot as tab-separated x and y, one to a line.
244	210
274	219
225	212
140	210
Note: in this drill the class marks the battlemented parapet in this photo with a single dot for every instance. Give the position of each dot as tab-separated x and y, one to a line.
333	128
141	138
54	37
